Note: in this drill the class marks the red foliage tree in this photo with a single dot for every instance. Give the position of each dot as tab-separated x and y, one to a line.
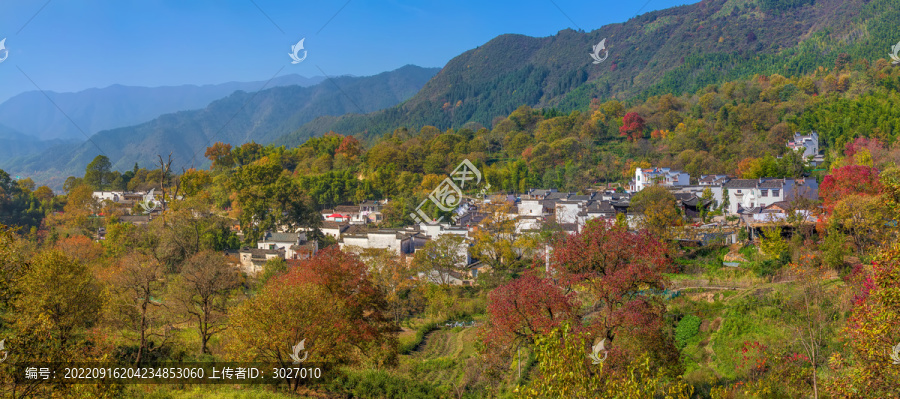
519	311
344	276
327	301
846	181
632	126
527	306
872	329
874	146
619	269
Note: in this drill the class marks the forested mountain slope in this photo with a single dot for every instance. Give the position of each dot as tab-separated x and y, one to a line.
676	50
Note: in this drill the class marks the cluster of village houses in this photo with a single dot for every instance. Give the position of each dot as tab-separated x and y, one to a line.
749	201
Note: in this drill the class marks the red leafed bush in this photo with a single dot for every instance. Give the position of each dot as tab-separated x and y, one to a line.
846	181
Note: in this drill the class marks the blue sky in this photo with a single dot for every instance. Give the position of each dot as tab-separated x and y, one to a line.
71	45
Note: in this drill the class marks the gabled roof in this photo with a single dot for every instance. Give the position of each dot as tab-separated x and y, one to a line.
771	183
741	183
600	207
683	196
257	253
750	211
573	227
713	178
281	237
341	226
696	202
780	205
345	209
557	196
580	198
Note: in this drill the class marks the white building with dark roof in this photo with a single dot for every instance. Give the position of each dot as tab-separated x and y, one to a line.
760	193
667	177
294	245
808	144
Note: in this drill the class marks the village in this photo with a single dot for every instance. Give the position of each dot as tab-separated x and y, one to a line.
713	208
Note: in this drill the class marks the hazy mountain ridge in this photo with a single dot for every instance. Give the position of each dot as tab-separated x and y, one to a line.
235	119
98	109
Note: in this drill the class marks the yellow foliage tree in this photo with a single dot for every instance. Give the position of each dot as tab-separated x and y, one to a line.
566	371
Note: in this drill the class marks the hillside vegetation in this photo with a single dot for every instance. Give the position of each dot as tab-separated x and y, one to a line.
673	51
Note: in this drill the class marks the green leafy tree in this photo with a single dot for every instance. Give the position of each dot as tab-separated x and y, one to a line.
97	173
267	198
443	257
566	372
657	209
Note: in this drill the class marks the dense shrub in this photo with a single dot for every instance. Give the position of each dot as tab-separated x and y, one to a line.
687	328
381	384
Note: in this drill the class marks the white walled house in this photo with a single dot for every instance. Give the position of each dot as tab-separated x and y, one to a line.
334	229
809	144
567	211
666	177
397	241
712	180
528	223
294	245
252	260
114	196
531	207
746	194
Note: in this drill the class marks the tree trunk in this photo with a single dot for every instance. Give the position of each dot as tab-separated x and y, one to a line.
815	384
140	352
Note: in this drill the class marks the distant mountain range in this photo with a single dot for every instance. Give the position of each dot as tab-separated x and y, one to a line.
676	50
241	117
94	110
16	144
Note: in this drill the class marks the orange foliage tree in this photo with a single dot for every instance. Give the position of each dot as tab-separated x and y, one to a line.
328	302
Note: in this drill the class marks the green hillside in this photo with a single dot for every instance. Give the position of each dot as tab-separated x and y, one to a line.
674	51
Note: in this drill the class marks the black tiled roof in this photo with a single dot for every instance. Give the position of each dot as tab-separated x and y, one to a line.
772	183
741	183
683	196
